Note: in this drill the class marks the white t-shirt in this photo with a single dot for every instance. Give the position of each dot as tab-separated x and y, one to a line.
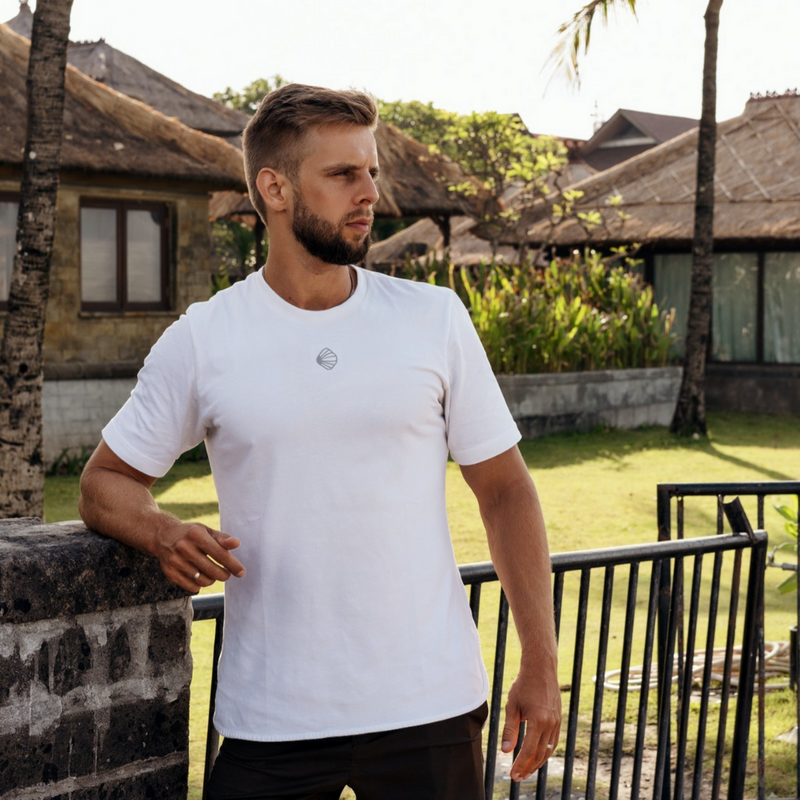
328	434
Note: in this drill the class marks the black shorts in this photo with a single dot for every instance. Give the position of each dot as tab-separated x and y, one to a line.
438	761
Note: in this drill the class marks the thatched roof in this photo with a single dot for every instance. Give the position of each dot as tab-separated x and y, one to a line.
466	247
425	238
108	132
413	182
124	73
757	185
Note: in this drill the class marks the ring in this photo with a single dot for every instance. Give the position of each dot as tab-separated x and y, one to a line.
196	575
550	746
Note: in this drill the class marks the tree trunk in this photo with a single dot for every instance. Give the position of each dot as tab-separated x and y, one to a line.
21	453
690	412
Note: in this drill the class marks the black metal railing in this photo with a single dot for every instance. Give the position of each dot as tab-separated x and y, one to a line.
760	490
599	746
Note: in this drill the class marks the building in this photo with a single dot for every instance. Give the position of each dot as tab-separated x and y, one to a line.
131	250
754	356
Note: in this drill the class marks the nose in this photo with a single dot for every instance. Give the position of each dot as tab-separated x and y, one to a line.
368	194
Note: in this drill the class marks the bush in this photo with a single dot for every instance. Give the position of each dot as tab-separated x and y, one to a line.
576	314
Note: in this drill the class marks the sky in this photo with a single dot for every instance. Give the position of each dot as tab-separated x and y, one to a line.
462	55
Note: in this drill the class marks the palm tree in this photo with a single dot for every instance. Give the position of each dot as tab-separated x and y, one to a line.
690	412
21	461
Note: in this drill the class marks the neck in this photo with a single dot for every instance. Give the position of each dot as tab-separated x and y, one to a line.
309	283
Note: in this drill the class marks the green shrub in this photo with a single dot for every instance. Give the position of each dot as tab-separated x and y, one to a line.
581	313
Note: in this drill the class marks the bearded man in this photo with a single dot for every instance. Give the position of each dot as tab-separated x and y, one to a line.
329	398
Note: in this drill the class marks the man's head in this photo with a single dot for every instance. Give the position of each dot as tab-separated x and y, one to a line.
277	135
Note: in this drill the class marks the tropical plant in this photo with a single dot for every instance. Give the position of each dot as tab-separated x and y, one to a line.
585	312
791	528
690	411
22	465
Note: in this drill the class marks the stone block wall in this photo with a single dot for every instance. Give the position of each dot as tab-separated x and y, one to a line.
76	411
95	668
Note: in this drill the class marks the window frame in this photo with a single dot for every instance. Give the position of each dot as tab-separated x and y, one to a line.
122	206
9	197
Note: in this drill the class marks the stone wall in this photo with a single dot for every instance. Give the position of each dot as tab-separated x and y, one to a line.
558	402
94	669
76	337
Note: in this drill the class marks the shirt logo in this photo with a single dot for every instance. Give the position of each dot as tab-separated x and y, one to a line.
327	358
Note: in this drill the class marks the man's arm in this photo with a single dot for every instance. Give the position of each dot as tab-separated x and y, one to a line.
116	501
518	544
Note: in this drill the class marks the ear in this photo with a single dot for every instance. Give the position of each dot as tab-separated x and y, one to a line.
273	188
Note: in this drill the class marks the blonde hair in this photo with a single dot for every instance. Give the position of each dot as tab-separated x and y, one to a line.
274	136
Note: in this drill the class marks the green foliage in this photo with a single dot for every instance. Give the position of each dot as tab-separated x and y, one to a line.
420	121
791	527
495	149
67	463
247	99
234	246
582	313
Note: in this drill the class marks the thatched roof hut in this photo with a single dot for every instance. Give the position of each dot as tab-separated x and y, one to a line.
107	132
126	74
757	186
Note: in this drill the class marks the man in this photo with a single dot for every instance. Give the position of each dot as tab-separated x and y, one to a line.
329	398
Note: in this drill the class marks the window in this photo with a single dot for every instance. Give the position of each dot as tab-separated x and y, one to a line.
673	274
754	304
781	304
734	307
123	256
8	243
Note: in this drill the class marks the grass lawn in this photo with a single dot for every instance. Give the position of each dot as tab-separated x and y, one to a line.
597	490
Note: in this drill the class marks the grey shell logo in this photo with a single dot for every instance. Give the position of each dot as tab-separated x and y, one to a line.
327	358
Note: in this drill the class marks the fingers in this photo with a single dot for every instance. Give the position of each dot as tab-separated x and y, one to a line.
537	747
510	729
193	556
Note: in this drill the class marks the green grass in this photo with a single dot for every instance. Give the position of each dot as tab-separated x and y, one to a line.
597	489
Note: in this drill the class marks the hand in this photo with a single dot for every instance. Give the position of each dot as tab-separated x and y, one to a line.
193	555
535	698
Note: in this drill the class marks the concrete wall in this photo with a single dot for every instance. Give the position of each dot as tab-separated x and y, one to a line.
76	411
554	403
94	669
760	388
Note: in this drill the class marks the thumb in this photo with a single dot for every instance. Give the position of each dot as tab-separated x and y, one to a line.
510	729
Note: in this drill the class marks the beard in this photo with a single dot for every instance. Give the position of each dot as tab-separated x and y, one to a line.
325	240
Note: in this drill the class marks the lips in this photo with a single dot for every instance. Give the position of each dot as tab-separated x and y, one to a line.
362	224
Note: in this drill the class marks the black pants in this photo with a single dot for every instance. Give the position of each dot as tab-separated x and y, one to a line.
437	761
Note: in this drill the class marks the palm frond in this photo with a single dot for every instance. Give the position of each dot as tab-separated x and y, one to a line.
575	36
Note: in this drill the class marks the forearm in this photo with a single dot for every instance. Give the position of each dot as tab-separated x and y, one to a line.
122	508
116	501
518	546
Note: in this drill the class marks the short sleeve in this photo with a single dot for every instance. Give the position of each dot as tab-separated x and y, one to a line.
161	418
479	424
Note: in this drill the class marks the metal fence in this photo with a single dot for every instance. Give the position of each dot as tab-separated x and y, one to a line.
612	742
669	494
